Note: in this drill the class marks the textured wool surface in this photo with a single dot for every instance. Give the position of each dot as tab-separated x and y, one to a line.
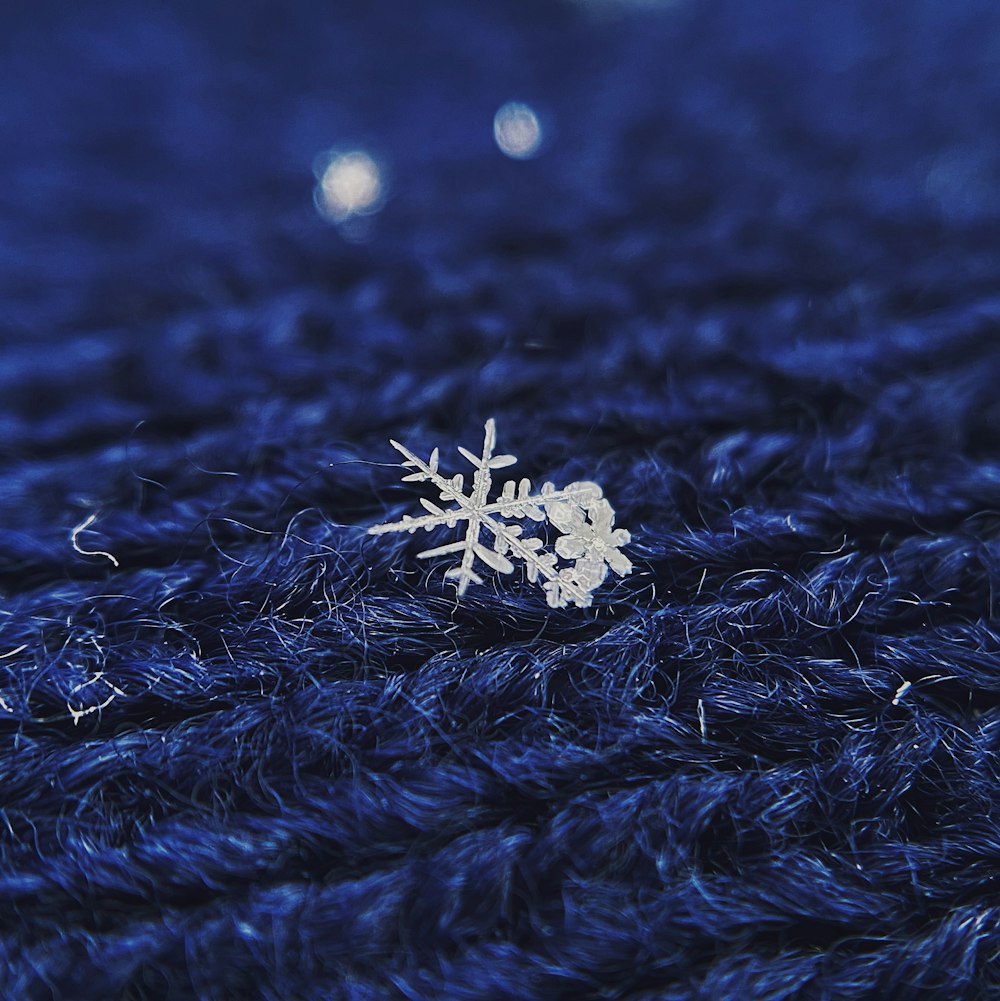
749	285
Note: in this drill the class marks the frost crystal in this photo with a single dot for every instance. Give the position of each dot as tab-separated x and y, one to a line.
579	512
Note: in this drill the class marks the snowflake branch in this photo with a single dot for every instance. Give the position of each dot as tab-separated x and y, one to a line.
580	493
481	482
544	568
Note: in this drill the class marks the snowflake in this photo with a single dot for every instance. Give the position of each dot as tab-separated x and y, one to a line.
579	512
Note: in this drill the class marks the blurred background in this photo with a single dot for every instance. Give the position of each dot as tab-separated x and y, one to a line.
233	236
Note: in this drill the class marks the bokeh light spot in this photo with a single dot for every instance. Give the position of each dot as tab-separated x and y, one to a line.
350	184
517	131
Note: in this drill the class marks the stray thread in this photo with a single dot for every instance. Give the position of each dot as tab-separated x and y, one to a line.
78	714
82	527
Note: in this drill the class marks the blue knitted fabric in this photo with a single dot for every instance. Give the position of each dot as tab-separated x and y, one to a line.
748	283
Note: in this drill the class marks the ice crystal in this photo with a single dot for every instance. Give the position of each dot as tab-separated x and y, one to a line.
579	513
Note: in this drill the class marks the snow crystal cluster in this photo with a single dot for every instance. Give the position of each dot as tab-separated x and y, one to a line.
580	514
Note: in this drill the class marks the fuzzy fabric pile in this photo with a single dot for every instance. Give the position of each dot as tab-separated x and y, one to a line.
747	282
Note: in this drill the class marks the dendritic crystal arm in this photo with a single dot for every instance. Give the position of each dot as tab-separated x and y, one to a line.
579	511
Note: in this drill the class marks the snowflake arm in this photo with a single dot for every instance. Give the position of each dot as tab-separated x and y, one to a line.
481	483
594	543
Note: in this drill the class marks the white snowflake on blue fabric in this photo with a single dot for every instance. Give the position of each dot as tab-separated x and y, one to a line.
579	512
